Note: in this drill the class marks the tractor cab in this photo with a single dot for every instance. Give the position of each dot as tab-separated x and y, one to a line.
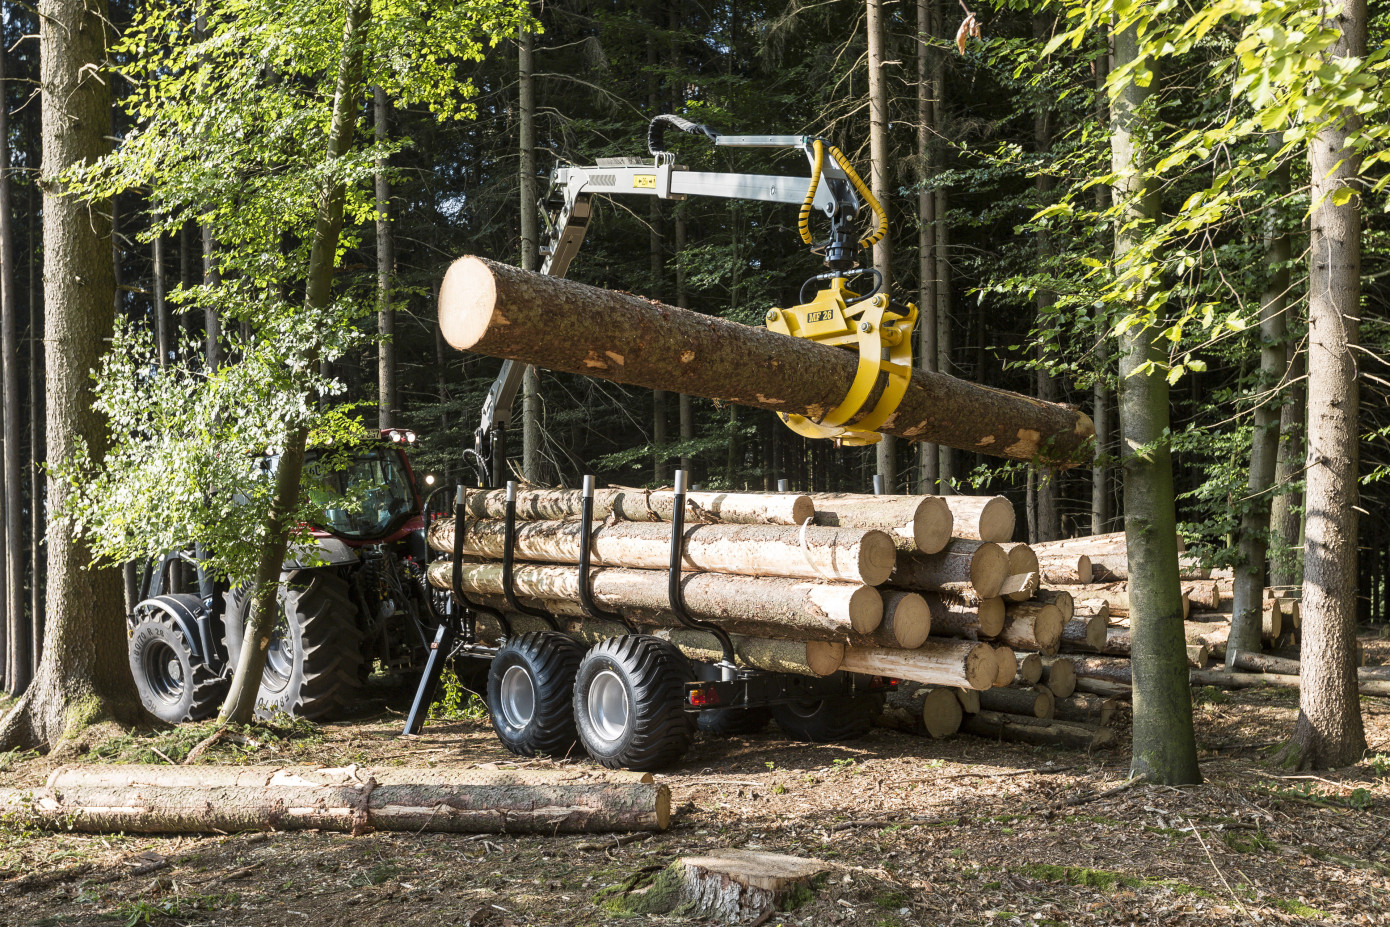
364	494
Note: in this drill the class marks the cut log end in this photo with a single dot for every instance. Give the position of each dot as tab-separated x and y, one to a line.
942	713
1006	666
989	567
877	556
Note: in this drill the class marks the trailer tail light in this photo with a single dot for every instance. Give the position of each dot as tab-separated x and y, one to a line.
702	697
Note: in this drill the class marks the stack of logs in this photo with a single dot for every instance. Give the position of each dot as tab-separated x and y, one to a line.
923	589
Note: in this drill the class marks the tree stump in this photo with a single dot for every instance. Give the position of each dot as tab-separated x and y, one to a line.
725	886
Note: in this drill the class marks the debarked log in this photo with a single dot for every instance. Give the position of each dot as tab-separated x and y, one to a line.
210	799
502	311
730	508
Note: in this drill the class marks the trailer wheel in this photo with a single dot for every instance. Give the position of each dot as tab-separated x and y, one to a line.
530	689
629	703
843	717
174	685
312	667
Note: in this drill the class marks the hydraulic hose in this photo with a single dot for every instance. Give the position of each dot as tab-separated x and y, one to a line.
803	220
862	189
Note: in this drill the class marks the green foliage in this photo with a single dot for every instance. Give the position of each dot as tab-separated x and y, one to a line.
232	128
456	703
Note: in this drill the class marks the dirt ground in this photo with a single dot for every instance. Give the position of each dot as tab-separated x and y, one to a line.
959	831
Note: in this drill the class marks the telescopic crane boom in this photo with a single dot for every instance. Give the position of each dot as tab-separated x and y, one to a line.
880	329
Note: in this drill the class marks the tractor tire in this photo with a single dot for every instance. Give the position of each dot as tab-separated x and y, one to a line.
174	685
629	703
313	667
530	693
830	720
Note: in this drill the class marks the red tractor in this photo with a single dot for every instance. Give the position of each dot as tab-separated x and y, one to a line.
353	602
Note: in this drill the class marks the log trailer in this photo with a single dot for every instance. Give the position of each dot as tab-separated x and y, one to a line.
634	699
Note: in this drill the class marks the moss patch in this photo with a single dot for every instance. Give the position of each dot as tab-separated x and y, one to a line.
1104	879
1297	908
644	893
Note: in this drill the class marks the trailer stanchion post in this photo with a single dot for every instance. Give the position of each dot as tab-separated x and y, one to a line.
784	485
878	484
728	669
509	564
445	635
586	591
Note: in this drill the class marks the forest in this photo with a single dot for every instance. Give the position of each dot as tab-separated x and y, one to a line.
224	230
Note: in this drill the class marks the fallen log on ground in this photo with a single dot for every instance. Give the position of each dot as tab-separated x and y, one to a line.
733	508
913	522
1227	680
495	309
212	799
1104	688
998	726
758	606
840	554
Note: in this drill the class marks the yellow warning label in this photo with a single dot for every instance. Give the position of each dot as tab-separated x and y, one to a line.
644	182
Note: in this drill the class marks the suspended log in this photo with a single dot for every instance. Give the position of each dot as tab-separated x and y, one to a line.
498	310
933	711
842	554
937	662
1062	568
1006	666
1019	587
1059	676
1086	709
733	508
1035	701
1032	626
1029	669
997	726
1064	600
974	567
920	523
757	606
956	616
212	799
982	518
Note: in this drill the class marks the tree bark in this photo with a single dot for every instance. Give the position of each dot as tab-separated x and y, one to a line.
83	676
209	799
37	429
921	523
1264	439
212	325
880	180
1329	730
1164	745
385	270
495	309
954	616
982	518
977	568
530	248
1100	391
18	663
647	505
940	663
752	606
1032	626
1036	701
837	554
1286	522
241	699
928	456
933	711
997	726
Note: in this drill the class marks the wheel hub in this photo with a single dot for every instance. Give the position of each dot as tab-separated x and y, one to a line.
518	697
608	708
164	672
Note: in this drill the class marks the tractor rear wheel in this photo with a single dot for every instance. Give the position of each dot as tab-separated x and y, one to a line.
530	693
629	703
174	684
313	664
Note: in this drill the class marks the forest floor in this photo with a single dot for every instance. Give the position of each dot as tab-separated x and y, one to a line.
958	831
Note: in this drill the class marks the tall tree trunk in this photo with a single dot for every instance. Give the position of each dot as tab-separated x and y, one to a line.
240	705
37	502
880	177
1329	729
1049	526
160	309
928	456
1100	391
687	403
946	466
83	677
212	325
17	671
1249	583
1285	514
656	246
530	248
385	269
1164	748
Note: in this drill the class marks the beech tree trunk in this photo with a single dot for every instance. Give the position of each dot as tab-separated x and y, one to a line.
210	799
498	310
840	554
240	704
1329	730
83	676
1164	744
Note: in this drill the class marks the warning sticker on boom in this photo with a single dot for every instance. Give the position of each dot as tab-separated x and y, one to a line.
644	181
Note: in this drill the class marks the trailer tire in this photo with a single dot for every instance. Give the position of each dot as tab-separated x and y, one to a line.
530	691
174	685
829	720
629	703
313	667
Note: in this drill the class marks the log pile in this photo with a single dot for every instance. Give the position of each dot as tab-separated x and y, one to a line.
926	590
